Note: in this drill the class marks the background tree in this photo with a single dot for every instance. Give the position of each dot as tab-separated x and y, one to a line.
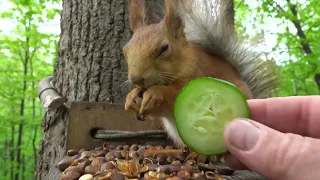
90	65
22	50
295	24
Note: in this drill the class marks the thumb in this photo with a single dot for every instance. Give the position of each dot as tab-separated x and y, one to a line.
273	154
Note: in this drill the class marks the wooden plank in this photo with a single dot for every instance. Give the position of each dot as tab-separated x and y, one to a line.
86	116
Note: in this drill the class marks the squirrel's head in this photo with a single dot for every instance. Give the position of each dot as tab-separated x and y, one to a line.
155	52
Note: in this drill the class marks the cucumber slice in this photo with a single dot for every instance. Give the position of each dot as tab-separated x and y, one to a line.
203	108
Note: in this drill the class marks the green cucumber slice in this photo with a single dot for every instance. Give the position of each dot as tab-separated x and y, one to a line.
203	108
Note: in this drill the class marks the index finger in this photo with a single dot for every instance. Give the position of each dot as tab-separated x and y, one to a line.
298	114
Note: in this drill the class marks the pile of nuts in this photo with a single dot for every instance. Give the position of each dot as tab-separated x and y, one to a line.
138	162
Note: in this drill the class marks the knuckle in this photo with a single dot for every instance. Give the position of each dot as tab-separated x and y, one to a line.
146	94
136	91
129	104
286	154
158	98
129	98
146	99
133	92
132	95
154	96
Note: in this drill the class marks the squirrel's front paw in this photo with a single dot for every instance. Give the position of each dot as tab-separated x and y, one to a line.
152	99
133	101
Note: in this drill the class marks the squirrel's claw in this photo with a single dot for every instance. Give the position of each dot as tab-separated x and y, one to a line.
141	102
133	102
140	117
152	99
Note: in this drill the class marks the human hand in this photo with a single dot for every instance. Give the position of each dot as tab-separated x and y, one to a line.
281	143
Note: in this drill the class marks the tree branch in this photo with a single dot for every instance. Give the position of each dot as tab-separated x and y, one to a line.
293	8
49	97
305	46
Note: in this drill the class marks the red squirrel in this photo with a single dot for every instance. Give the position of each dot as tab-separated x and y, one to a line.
185	45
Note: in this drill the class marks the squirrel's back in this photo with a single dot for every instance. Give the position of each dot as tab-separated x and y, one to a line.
208	26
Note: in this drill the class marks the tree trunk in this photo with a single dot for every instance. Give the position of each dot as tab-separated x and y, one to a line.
23	167
33	85
5	155
90	66
12	155
317	79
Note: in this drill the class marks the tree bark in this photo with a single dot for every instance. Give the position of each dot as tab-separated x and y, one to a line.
90	66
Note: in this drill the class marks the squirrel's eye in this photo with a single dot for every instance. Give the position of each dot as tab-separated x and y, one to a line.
163	50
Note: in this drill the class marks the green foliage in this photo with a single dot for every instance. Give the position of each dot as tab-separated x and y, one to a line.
27	54
295	25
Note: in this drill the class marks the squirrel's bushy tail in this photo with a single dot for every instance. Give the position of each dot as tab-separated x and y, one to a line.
207	26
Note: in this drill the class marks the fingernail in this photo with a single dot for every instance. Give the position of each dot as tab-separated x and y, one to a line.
243	135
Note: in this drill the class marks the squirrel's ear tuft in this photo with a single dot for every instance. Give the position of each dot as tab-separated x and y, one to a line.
172	19
137	14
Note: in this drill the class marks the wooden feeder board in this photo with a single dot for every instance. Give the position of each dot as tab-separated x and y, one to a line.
87	116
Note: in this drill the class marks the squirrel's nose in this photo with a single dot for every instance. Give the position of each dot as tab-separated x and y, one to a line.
139	81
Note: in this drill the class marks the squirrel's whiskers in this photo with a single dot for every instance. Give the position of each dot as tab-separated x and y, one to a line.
188	43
